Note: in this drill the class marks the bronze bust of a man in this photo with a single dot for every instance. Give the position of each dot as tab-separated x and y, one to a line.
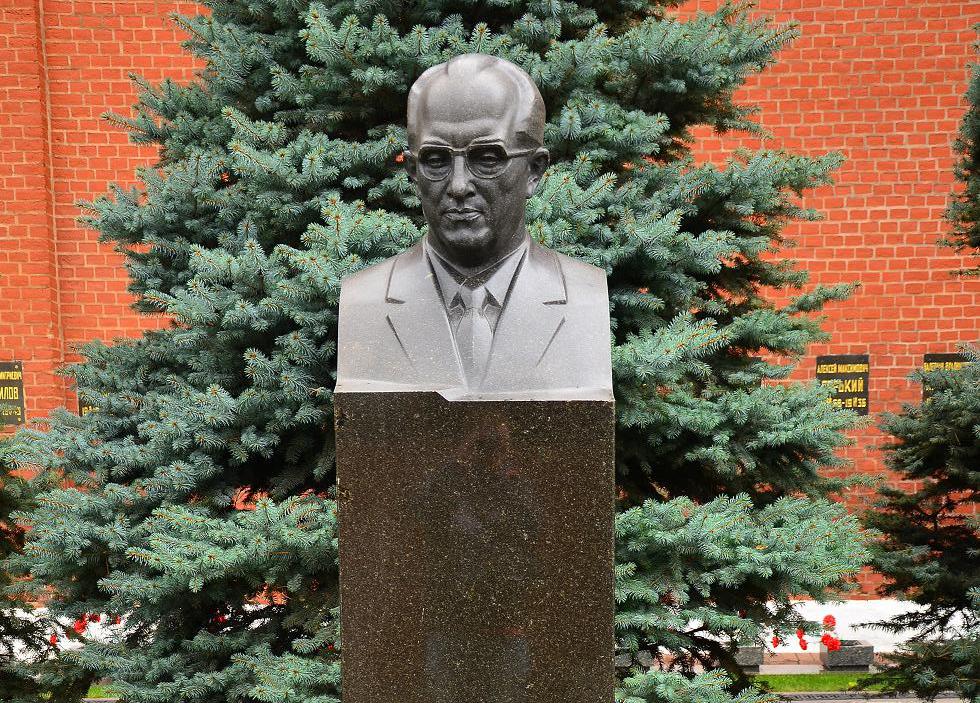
477	309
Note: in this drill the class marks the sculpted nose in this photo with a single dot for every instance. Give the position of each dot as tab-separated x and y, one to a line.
461	180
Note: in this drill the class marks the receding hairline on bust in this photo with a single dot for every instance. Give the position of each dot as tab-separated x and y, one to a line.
469	71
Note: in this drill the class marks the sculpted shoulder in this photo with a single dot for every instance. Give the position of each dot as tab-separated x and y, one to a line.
586	279
368	284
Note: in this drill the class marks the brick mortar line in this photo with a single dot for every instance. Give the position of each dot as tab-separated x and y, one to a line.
48	156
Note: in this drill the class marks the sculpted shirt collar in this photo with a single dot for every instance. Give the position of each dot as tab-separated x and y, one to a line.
496	277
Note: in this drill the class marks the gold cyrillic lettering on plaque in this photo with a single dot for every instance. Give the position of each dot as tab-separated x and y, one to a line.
85	408
847	375
11	393
945	362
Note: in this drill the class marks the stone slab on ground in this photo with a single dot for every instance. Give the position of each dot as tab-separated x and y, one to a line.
790	669
785	658
853	655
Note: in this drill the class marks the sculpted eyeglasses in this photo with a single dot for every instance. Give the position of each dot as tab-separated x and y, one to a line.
483	160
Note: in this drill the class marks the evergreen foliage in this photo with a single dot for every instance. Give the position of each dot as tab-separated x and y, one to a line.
964	209
930	549
30	670
278	176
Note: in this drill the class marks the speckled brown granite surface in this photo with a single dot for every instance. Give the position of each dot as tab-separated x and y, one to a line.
476	549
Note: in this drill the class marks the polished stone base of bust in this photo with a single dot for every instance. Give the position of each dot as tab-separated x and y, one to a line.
476	549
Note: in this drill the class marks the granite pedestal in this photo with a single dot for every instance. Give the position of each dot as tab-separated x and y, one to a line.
476	549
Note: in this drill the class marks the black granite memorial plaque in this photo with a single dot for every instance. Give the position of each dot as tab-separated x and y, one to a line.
847	375
86	408
946	362
11	393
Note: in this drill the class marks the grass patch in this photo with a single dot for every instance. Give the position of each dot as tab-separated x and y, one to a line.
100	692
796	683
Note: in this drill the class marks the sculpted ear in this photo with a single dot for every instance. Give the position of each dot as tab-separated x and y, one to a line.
538	162
411	166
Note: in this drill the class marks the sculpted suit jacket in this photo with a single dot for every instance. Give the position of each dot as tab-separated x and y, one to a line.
551	340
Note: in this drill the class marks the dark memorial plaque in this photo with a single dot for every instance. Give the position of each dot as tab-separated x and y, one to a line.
474	424
847	375
11	393
476	546
86	408
945	362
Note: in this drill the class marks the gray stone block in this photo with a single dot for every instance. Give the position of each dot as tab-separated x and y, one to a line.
625	660
749	657
853	655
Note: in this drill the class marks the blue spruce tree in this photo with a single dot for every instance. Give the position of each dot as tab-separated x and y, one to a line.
930	546
279	175
30	670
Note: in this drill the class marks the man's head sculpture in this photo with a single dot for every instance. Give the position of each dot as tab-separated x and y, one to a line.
475	132
477	309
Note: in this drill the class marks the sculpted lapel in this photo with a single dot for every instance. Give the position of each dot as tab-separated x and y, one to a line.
532	315
417	320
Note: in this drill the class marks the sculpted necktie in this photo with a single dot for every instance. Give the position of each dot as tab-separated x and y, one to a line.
474	333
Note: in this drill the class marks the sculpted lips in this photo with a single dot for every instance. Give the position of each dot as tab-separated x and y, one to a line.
461	214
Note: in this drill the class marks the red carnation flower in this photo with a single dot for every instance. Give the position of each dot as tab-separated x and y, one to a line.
800	634
53	639
829	622
775	641
79	625
94	617
803	645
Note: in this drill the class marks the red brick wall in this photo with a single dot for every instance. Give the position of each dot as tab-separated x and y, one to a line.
29	319
63	63
879	80
882	82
